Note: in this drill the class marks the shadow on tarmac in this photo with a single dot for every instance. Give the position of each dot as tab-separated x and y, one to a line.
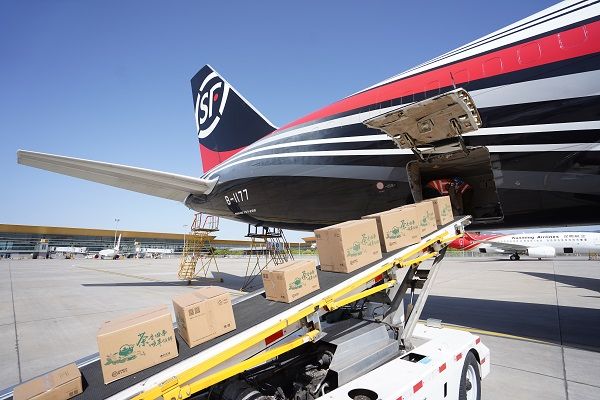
524	259
570	326
576	281
229	281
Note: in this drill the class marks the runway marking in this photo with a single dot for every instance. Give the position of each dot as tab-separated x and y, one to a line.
562	348
122	274
493	333
12	296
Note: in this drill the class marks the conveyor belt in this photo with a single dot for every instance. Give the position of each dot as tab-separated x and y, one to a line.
249	311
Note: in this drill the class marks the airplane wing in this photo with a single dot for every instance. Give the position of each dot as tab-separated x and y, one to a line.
155	183
505	247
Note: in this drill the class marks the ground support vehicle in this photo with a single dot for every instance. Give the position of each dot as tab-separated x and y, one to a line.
359	336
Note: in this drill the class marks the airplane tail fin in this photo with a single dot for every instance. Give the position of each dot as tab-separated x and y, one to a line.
118	245
225	121
471	237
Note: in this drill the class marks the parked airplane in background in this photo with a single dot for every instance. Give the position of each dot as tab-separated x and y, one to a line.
148	252
540	245
533	87
111	254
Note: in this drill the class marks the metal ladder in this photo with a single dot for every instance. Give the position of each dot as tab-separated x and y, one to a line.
198	247
268	246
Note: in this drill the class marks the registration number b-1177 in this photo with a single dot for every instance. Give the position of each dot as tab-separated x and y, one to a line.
237	197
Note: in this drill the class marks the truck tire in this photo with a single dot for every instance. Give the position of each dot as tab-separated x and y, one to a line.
470	380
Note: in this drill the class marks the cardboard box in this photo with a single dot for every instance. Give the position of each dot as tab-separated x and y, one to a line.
135	342
204	314
397	228
442	209
60	384
348	246
290	281
426	215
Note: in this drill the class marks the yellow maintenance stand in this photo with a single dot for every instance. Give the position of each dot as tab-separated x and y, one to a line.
198	255
268	247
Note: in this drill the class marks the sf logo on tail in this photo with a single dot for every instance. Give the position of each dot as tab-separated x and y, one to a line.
210	103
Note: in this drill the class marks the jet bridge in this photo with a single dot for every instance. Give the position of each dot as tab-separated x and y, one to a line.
267	330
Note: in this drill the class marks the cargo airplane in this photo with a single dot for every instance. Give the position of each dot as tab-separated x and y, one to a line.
515	114
538	245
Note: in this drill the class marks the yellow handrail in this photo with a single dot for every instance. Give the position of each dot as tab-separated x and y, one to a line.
173	386
186	391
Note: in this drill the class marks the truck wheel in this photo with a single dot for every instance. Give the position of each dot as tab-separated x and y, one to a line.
470	381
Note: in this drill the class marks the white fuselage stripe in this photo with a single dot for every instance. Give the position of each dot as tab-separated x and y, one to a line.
505	130
518	148
561	87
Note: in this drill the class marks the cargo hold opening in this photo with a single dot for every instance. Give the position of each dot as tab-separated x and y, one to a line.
473	168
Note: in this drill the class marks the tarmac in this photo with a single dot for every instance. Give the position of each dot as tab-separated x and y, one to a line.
541	319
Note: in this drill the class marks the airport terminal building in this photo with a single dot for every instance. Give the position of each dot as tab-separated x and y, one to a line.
26	239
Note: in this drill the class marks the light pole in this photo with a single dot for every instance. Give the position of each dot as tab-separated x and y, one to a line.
116	227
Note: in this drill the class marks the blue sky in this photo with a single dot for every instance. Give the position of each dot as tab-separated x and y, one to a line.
109	80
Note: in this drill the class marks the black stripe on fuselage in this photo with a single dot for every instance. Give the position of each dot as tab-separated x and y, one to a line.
562	68
543	112
526	183
571	110
585	162
517	138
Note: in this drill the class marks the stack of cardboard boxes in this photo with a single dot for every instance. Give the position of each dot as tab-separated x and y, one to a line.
134	342
351	245
60	384
290	281
442	209
203	314
397	228
348	246
141	340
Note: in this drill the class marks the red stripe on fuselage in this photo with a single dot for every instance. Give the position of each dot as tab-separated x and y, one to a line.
211	158
545	50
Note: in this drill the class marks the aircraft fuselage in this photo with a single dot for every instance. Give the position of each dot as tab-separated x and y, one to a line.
536	84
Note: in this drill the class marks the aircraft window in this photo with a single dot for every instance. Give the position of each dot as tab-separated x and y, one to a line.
492	67
460	77
529	53
572	37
